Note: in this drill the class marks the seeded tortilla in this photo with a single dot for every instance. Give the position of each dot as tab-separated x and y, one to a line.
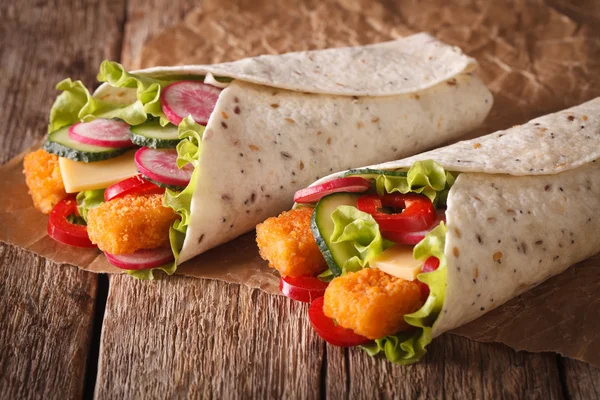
287	120
523	209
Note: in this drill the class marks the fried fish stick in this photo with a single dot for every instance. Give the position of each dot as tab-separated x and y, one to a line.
130	223
287	243
371	302
42	175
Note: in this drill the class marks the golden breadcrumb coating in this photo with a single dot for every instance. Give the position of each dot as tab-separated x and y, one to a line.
130	223
371	302
287	243
42	175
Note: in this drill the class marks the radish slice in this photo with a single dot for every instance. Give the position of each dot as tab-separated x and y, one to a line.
180	99
415	237
102	132
346	185
161	166
141	259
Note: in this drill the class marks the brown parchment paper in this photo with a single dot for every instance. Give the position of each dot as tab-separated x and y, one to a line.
537	57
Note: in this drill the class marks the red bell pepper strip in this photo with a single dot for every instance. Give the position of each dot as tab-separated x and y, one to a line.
134	185
63	231
414	238
418	212
302	288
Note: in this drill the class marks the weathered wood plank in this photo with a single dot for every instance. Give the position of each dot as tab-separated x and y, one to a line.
183	337
39	46
46	311
46	315
146	18
454	368
581	380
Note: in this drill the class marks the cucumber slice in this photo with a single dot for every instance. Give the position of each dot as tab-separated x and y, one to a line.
151	134
368	173
60	143
335	254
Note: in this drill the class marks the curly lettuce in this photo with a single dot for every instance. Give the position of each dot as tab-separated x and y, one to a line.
76	103
425	177
359	233
147	89
188	152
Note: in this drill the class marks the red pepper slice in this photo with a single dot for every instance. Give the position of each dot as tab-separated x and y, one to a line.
418	211
414	238
431	264
302	288
134	185
329	331
62	230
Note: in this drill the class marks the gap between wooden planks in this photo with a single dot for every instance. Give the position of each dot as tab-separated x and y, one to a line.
180	336
46	311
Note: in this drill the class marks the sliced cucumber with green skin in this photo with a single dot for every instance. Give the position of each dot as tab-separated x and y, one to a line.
60	143
368	173
321	224
163	185
151	134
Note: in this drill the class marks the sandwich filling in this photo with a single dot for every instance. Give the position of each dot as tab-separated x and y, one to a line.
377	237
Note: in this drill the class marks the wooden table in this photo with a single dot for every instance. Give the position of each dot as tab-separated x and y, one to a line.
65	333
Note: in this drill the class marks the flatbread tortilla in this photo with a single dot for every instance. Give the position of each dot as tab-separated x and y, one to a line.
287	120
523	208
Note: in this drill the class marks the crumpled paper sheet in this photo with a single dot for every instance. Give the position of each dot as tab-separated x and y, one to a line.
533	57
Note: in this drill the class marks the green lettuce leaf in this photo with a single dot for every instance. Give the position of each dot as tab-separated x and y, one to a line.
426	177
360	233
188	151
409	347
148	274
147	90
87	200
76	103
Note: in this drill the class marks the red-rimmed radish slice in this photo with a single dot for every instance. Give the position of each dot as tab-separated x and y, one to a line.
63	231
180	99
313	194
134	185
102	132
141	259
415	237
302	288
161	166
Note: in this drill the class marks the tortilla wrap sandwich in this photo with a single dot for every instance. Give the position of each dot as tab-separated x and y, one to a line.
168	162
416	247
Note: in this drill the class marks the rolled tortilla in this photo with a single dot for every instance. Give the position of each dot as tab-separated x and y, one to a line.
523	208
287	120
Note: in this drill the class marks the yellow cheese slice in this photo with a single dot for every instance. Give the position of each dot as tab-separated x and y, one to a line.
79	176
398	261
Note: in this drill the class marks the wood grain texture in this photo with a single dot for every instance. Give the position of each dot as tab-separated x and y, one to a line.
46	310
146	18
46	315
454	368
183	337
41	43
581	381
